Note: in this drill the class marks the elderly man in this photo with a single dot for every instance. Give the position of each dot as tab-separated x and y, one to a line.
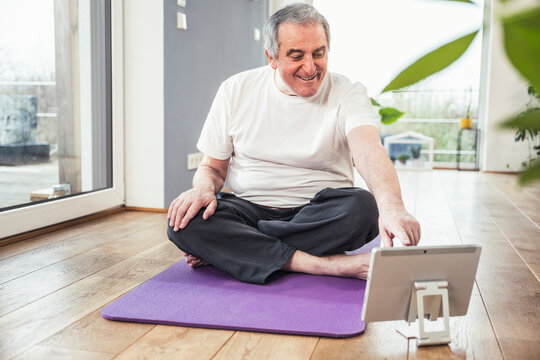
285	134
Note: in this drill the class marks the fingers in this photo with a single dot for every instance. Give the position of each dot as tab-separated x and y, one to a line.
412	230
404	227
210	210
170	213
406	239
386	239
178	210
173	211
190	213
178	213
186	206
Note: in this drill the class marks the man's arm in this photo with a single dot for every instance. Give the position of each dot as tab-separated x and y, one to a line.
207	182
374	165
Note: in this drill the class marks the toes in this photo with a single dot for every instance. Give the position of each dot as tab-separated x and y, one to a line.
198	262
194	262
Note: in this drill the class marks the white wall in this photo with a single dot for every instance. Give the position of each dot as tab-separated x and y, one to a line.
275	5
506	95
144	104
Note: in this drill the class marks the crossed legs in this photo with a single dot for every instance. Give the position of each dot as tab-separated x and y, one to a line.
250	242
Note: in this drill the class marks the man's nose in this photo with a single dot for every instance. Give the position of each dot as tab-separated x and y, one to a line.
309	66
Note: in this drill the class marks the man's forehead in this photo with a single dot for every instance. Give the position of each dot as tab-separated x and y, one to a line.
291	35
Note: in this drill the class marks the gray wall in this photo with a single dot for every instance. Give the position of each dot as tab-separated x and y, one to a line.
218	43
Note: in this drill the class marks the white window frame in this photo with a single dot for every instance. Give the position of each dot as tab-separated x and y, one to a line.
33	217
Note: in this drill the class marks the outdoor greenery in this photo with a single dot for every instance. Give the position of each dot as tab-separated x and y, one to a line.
445	135
425	109
522	45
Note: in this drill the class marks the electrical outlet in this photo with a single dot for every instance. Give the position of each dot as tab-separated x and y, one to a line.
193	160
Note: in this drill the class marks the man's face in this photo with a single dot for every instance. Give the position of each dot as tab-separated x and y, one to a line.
302	57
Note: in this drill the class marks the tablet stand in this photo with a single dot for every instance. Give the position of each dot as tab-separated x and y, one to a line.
427	299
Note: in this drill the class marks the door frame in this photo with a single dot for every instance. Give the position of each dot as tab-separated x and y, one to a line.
33	217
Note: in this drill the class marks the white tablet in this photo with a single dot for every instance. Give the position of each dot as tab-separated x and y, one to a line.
393	272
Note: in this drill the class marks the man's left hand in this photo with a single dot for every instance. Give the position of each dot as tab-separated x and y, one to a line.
400	224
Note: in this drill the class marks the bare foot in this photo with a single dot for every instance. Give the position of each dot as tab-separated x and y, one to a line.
194	262
355	266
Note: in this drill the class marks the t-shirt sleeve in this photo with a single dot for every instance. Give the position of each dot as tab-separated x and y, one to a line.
215	140
357	109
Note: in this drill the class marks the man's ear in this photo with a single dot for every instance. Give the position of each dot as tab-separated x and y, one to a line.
271	60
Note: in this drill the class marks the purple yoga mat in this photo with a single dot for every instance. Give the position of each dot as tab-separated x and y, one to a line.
292	303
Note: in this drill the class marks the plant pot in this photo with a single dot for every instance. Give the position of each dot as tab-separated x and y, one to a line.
465	123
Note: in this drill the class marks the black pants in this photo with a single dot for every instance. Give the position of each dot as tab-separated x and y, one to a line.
250	242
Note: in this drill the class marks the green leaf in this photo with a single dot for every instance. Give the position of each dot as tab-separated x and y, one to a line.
531	174
528	119
431	63
532	91
522	44
374	102
390	115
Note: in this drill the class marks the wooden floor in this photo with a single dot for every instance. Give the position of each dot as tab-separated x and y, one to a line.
52	287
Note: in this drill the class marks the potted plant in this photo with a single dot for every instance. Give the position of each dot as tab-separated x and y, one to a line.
466	122
527	123
402	158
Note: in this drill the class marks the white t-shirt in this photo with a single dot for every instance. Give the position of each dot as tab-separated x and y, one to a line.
284	149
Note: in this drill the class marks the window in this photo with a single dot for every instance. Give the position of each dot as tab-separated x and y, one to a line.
56	109
372	41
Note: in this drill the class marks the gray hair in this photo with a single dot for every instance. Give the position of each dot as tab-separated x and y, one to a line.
301	14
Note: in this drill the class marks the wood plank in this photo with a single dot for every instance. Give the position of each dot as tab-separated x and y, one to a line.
510	291
151	217
433	212
44	352
35	285
518	196
176	342
28	262
533	189
536	270
472	337
69	232
259	346
96	334
519	230
408	183
438	228
379	341
145	209
52	228
28	326
67	323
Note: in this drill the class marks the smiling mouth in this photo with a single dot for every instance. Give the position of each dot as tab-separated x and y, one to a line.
308	78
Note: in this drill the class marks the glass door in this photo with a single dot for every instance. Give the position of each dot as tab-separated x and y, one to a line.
60	131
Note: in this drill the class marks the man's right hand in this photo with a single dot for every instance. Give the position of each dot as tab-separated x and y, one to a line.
188	204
